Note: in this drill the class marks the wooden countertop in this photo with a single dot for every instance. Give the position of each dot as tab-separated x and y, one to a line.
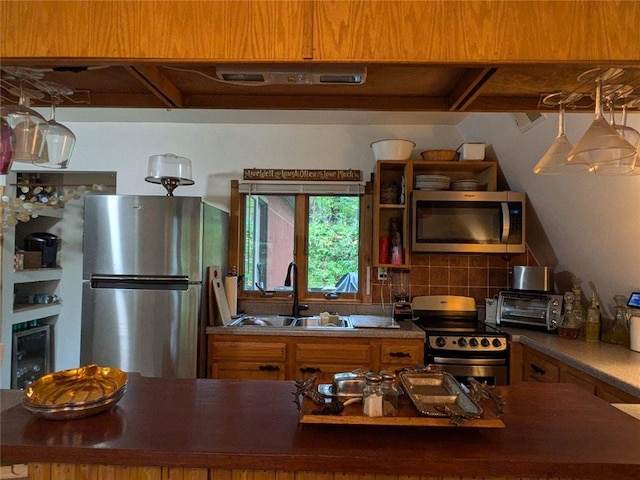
552	430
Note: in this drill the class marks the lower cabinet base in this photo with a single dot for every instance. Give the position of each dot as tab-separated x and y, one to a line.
66	471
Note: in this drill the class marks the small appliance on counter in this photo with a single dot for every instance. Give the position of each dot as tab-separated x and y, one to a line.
531	302
402	311
45	243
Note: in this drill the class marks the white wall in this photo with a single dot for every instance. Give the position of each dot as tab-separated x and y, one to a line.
220	151
592	221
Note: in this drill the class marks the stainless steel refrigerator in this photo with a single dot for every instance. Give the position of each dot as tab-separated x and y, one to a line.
143	269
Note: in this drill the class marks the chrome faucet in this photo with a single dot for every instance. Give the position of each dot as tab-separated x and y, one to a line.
293	267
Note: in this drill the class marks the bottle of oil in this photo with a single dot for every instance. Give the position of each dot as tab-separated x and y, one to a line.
592	325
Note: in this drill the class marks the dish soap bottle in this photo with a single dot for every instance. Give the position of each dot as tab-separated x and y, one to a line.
592	325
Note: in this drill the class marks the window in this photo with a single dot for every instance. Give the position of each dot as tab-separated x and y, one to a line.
320	232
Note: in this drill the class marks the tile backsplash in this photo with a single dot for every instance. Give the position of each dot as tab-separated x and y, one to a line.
475	275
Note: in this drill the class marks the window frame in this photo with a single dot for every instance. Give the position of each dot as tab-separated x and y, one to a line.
236	248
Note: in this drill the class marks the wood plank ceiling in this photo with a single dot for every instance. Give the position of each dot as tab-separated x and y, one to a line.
388	87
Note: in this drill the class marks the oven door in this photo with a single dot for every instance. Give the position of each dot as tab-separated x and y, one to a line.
494	371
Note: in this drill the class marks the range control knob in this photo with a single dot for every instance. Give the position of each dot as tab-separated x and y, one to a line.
462	342
441	342
496	343
473	342
484	342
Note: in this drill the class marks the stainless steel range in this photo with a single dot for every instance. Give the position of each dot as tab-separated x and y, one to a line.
458	343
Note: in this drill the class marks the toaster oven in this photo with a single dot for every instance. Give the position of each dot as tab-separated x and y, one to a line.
536	310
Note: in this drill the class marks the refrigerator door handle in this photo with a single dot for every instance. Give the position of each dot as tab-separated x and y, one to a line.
141	282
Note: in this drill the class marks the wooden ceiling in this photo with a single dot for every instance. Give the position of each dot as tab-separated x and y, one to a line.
388	87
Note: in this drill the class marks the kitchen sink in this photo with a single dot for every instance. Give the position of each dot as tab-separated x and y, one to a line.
283	321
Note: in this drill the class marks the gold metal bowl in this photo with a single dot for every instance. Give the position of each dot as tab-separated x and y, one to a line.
76	392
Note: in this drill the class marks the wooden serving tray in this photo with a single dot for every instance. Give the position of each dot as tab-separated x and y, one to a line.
408	416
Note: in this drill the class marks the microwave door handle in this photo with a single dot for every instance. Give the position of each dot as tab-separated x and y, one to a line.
506	222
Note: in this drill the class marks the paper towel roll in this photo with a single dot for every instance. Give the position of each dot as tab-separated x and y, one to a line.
231	290
634	333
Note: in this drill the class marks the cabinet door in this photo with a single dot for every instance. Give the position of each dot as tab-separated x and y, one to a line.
539	368
205	30
584	381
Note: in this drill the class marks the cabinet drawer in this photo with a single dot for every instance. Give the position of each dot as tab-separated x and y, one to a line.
402	354
259	351
538	368
324	371
248	370
359	354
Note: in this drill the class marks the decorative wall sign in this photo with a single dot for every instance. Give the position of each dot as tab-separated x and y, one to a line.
302	175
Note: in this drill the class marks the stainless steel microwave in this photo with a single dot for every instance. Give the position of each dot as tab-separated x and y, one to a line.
464	221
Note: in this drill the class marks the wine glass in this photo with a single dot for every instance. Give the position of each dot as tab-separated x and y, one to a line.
625	165
29	127
601	143
631	134
59	140
554	161
7	146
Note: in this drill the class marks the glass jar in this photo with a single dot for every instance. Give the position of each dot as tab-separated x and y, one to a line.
372	395
389	394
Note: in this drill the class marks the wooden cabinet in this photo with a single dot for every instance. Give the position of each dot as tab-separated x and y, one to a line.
290	358
207	30
254	359
528	364
394	355
397	175
328	356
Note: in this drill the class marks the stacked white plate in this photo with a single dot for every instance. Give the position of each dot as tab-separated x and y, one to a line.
466	185
432	182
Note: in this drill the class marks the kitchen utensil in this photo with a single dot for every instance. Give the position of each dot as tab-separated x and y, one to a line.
471	151
439	155
220	296
392	149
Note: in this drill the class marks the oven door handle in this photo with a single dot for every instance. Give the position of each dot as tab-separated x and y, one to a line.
469	361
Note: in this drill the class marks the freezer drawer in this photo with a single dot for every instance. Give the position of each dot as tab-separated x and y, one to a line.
142	235
153	332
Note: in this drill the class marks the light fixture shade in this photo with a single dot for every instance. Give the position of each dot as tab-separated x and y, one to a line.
170	171
29	128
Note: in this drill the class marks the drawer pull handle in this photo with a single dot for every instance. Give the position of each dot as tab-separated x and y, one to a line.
537	369
399	354
309	370
269	368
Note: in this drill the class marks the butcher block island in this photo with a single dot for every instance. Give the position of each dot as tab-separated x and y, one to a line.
247	429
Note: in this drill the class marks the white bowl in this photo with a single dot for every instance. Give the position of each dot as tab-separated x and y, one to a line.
392	149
